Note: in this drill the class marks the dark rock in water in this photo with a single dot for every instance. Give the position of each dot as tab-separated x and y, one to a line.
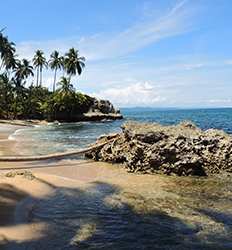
183	149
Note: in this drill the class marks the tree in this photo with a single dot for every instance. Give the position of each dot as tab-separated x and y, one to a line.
6	96
65	86
55	63
73	63
62	59
36	99
7	53
23	70
39	61
37	102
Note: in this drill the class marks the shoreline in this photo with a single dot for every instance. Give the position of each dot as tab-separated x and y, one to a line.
22	123
169	203
24	193
7	147
90	116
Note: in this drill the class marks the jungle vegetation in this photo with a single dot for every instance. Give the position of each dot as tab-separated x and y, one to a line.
23	94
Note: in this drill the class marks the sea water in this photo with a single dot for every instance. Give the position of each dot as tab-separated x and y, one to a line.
60	137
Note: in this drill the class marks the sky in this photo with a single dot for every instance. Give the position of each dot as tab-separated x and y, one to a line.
147	53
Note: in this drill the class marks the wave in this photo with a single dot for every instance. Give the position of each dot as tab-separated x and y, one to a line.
12	137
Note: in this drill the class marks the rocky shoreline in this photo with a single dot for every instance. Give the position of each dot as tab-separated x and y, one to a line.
181	150
98	111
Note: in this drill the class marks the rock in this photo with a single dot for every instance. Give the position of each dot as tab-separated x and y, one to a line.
100	110
97	116
24	173
103	106
181	150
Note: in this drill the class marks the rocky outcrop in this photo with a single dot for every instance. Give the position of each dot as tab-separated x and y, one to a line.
183	149
91	109
103	106
100	110
97	116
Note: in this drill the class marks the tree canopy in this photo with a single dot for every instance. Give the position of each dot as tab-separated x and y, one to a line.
23	93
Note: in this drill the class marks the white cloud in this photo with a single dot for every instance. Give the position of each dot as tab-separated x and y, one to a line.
114	71
221	101
137	94
107	46
193	66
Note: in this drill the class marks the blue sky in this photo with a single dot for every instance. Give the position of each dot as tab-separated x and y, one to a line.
139	53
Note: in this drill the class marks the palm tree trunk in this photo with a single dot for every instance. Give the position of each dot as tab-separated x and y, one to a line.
37	77
1	65
54	84
41	76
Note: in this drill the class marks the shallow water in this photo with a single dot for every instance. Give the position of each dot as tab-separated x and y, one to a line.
181	213
67	136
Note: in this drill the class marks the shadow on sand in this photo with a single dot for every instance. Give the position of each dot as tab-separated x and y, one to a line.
97	218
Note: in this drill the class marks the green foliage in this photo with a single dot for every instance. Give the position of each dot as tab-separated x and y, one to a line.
36	98
36	102
6	96
66	106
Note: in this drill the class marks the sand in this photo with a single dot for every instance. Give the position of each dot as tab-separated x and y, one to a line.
176	197
50	176
8	147
18	194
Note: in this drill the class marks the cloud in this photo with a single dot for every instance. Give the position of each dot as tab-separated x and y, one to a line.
228	62
114	71
193	66
221	101
137	94
174	22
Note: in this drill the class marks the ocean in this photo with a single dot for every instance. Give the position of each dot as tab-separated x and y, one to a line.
68	136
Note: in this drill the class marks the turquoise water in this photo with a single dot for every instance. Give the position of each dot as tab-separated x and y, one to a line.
68	136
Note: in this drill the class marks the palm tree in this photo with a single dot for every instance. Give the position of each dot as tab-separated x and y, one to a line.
7	53
39	61
62	59
3	42
23	70
55	63
6	95
65	85
73	63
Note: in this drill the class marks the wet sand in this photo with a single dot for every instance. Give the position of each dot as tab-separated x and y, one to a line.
110	207
50	176
193	211
8	147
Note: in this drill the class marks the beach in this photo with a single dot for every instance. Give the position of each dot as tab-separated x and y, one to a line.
19	193
70	203
6	145
115	125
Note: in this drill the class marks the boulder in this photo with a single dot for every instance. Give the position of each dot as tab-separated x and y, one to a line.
103	106
182	149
